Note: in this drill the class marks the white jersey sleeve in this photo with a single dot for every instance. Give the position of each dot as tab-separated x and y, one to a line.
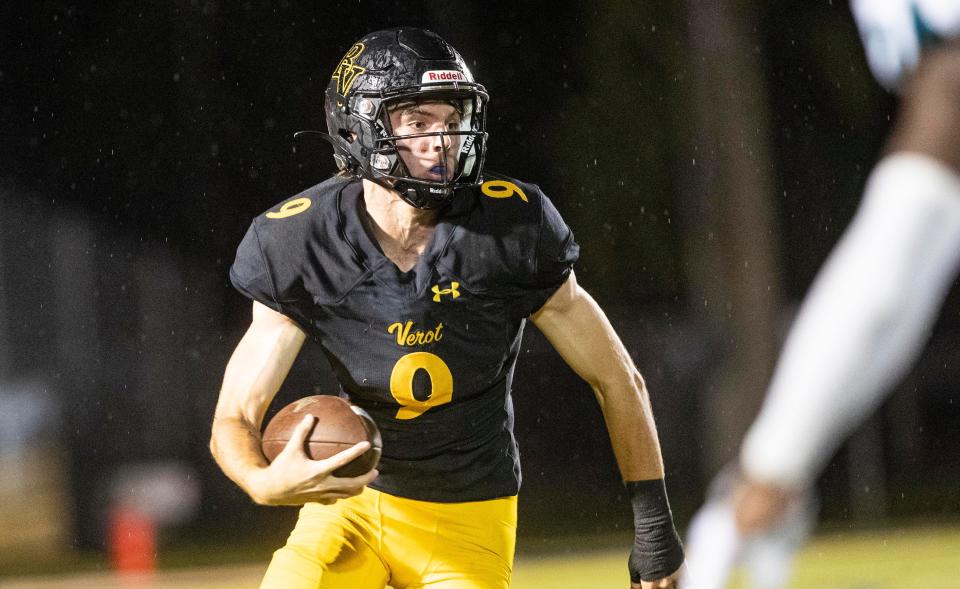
895	32
863	322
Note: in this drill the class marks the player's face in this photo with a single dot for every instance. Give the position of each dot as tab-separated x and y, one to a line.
433	157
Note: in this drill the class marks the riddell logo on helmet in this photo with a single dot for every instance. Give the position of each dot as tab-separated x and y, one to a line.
443	76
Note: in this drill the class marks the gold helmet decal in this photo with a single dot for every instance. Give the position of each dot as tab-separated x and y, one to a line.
347	71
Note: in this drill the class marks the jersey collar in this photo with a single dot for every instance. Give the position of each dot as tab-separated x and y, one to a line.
410	284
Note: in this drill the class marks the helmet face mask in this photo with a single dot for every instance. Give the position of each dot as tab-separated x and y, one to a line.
390	71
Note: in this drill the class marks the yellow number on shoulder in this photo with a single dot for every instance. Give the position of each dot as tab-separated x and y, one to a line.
502	189
401	383
289	209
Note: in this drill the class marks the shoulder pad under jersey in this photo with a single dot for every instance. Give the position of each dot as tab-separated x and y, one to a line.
295	243
514	242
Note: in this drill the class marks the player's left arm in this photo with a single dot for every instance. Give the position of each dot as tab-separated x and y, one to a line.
581	333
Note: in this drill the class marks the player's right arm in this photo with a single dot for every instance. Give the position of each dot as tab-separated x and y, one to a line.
256	370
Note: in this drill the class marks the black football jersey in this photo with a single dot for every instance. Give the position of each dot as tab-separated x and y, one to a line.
429	353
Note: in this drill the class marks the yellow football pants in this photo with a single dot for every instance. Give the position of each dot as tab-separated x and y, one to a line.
376	539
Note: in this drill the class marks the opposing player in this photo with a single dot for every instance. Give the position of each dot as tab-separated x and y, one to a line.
869	311
415	270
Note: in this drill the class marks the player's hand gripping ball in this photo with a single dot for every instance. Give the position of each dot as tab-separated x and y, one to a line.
339	426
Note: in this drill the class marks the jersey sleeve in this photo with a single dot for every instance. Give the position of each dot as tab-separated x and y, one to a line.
556	252
264	272
249	273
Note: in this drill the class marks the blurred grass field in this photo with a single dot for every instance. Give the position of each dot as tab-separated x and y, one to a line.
921	557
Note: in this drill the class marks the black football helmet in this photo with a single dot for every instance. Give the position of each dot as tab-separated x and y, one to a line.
395	67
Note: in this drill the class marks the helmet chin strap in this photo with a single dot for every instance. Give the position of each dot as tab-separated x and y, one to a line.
415	194
420	197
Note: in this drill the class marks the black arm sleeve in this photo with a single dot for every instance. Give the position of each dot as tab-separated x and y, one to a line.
657	551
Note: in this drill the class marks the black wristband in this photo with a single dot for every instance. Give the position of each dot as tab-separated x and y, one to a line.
657	551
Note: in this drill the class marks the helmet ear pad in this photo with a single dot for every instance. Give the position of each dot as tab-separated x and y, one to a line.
369	125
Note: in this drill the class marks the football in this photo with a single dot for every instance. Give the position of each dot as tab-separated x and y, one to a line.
339	426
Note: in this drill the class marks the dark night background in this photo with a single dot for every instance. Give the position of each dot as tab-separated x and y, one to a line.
707	156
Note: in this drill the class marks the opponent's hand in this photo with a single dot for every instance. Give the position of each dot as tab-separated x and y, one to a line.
758	506
294	479
671	582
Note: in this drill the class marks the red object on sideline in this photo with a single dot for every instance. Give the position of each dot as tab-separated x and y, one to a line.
132	540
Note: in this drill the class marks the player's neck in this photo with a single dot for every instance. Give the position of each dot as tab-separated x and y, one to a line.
399	227
394	215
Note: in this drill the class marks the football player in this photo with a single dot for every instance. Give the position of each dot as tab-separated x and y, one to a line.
415	270
867	315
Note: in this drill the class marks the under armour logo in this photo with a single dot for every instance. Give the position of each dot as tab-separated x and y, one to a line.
452	291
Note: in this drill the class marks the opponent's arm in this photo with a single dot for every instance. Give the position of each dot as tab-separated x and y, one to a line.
864	321
253	376
860	328
580	332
